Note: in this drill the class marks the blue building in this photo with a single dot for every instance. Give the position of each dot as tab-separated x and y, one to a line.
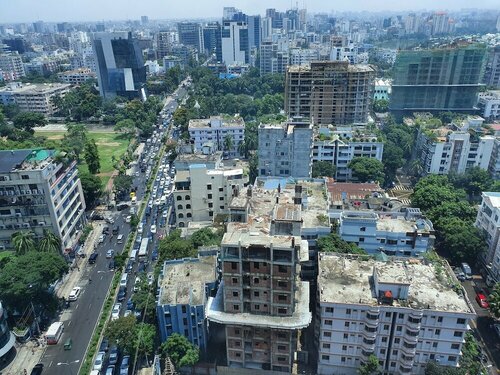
7	338
393	233
185	285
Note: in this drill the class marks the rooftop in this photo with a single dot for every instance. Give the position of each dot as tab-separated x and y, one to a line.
22	159
349	279
184	280
391	221
340	191
492	198
32	88
217	121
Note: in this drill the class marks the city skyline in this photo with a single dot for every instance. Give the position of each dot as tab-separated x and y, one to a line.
50	11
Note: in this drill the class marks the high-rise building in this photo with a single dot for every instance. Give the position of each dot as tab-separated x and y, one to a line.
329	92
235	49
191	34
212	39
17	44
36	193
39	27
441	79
144	20
272	59
11	66
404	313
254	31
120	66
163	43
492	71
285	149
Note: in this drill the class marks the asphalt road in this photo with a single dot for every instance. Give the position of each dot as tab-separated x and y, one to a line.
81	317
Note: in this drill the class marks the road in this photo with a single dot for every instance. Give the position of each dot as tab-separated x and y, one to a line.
82	315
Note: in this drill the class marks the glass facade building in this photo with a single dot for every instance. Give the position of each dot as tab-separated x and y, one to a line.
7	338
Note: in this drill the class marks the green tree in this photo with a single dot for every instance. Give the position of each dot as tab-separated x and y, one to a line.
380	105
474	181
91	156
334	244
494	301
28	120
180	350
74	140
443	212
461	241
92	188
370	367
122	184
121	332
175	247
145	338
323	169
228	143
23	241
206	237
126	127
367	169
50	242
433	190
432	368
253	165
392	158
27	278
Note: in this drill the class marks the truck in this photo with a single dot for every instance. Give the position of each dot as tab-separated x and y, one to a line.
143	250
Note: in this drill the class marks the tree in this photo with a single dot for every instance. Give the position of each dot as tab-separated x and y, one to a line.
461	241
122	184
370	367
323	169
474	181
175	247
74	140
121	332
367	169
180	350
27	278
433	190
91	156
392	159
334	244
494	301
206	237
28	120
253	165
23	241
432	368
228	143
50	242
92	188
443	212
126	127
145	338
380	105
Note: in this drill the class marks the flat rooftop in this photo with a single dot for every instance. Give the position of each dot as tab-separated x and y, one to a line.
184	280
492	198
35	88
390	221
340	191
347	279
225	121
11	160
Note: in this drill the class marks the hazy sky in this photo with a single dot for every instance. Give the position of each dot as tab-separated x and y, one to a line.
95	10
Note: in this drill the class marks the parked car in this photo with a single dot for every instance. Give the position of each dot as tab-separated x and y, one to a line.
482	300
99	361
110	370
104	345
113	355
115	313
154	255
153	229
102	237
37	370
467	271
93	258
122	293
75	292
111	265
125	365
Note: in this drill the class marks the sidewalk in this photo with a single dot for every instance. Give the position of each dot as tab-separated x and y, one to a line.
27	356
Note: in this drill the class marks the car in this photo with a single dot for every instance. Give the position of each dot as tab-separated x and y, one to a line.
116	230
128	219
122	293
467	271
136	283
37	370
125	365
128	313
93	257
110	253
141	268
130	266
482	300
154	255
101	239
122	207
104	345
109	220
132	211
99	360
105	230
81	252
461	276
140	228
157	201
130	304
75	292
110	370
115	313
164	214
113	355
153	229
151	278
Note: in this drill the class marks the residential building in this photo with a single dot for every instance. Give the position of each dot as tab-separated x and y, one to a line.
441	79
217	129
494	167
201	194
33	97
208	156
443	150
172	61
235	48
164	41
261	301
489	104
382	89
120	66
272	60
7	338
37	192
285	149
492	71
348	52
329	92
393	233
77	76
212	39
340	145
401	311
184	286
487	221
11	66
302	56
191	35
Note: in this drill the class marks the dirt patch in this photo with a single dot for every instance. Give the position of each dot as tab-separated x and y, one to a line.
54	137
111	144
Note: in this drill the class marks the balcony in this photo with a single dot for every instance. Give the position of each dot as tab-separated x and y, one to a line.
405	369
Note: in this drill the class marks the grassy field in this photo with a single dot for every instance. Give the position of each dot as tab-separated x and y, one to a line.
108	143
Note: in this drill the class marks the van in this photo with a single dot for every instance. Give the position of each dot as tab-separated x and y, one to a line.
133	255
123	280
119	239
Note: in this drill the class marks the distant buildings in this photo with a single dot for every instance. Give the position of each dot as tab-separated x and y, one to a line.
184	286
36	193
11	67
332	92
383	89
403	312
120	66
272	59
191	34
489	104
212	39
33	97
77	76
441	79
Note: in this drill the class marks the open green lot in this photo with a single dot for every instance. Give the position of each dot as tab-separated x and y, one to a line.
108	143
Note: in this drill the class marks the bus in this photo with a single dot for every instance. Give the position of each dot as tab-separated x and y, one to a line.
54	333
143	250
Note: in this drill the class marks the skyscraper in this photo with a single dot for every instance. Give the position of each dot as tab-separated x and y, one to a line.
190	34
212	39
235	49
441	79
254	31
120	67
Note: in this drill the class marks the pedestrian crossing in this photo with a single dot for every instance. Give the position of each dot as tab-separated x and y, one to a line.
401	188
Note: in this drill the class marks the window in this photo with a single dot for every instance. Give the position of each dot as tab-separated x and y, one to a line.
209	186
325	357
210	205
387	314
235	294
346	324
329	310
221	189
434	344
437	332
221	198
362	229
327	334
382	351
237	343
397	340
236	331
394	352
458	334
25	177
209	196
440	319
284	284
361	239
386	327
255	280
236	307
179	206
344	347
283	347
256	265
342	359
401	316
256	294
234	265
187	197
326	346
282	297
282	269
452	358
348	311
460	321
257	307
384	339
328	322
399	328
346	336
455	346
432	356
234	280
393	364
221	207
282	310
188	206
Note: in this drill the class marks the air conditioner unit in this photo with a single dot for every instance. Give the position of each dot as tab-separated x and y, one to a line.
28	192
18	226
23	192
18	214
26	225
41	223
35	192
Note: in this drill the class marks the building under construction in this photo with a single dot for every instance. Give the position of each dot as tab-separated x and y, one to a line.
330	92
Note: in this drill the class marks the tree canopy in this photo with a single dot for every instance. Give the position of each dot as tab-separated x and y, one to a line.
494	301
334	244
323	169
91	156
92	188
367	169
180	350
28	120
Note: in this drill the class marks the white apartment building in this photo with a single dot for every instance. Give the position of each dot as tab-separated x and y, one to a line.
33	97
399	310
11	66
340	145
299	56
214	130
489	104
488	220
349	52
383	89
201	194
77	76
442	150
38	193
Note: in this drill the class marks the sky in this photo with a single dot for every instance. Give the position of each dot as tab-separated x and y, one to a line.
12	11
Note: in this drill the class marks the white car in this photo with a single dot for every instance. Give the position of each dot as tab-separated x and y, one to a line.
150	278
128	218
164	214
140	228
136	283
115	313
75	292
153	228
110	253
157	201
101	238
99	360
